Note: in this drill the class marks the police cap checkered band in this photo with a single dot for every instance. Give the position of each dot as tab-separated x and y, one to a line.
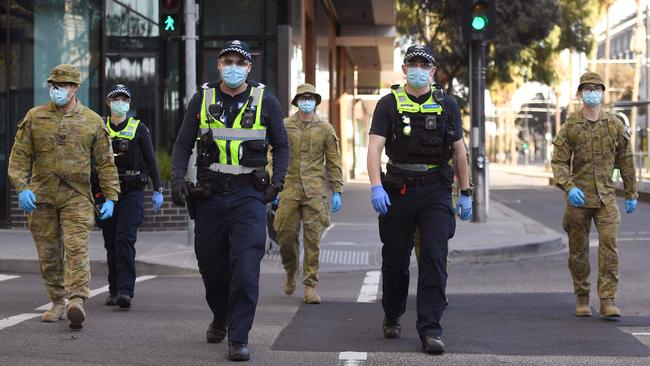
237	46
118	89
420	51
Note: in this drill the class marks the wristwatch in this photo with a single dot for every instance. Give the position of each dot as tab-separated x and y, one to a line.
467	192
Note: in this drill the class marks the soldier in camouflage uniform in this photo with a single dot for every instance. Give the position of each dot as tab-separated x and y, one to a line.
50	168
587	149
314	145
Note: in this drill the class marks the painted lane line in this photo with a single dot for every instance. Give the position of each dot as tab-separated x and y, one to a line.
370	287
327	230
4	277
353	358
641	334
13	320
368	293
95	292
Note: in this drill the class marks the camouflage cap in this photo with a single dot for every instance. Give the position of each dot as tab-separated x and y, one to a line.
65	73
590	78
306	89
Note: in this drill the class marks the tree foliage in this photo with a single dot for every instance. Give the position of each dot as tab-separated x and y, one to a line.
528	36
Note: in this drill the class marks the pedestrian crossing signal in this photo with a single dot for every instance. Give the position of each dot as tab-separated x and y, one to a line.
171	12
478	20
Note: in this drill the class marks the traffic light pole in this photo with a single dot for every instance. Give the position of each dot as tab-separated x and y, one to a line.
190	89
477	134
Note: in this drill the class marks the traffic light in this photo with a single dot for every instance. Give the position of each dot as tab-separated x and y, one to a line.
478	20
171	16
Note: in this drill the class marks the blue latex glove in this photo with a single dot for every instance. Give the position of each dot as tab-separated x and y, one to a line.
276	202
379	199
157	200
107	210
464	207
576	197
336	202
27	200
630	205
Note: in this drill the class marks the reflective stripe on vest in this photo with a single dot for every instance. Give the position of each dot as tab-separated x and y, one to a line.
127	132
405	104
229	139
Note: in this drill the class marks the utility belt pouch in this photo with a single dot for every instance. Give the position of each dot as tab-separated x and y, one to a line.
261	180
206	152
392	181
189	201
253	153
198	190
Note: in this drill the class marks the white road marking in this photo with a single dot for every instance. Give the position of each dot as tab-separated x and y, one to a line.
13	320
370	287
368	293
353	358
4	277
641	334
327	230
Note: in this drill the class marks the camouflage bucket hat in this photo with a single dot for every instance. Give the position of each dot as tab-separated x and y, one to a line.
65	73
306	89
591	78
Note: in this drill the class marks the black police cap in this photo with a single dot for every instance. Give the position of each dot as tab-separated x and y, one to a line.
237	46
117	90
420	51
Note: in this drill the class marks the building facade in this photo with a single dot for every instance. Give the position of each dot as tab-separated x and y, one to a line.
340	46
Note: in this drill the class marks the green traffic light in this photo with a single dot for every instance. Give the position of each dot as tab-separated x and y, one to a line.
479	22
170	24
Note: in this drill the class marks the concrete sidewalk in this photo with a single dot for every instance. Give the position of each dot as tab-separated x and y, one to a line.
351	243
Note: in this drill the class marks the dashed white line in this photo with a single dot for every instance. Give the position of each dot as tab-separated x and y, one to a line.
4	277
368	293
13	320
370	287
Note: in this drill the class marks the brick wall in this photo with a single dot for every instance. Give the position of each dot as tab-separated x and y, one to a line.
169	218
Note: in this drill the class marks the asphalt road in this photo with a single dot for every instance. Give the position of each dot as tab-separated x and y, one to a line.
517	312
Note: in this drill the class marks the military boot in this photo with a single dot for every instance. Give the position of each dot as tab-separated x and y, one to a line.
582	306
311	296
56	312
76	313
290	283
608	309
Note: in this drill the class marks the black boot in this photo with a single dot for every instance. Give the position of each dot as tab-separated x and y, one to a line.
215	332
238	351
111	300
392	328
433	345
124	301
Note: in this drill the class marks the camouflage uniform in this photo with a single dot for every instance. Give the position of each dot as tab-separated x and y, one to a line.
313	146
52	155
584	156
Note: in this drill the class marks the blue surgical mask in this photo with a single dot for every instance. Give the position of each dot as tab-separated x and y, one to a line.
119	107
306	106
417	77
233	75
59	95
592	98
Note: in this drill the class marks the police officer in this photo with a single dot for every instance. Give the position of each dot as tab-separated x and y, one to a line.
135	161
50	166
589	146
232	122
421	130
313	144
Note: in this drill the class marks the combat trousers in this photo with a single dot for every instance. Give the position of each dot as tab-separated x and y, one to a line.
315	217
120	234
230	236
577	224
428	208
60	231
